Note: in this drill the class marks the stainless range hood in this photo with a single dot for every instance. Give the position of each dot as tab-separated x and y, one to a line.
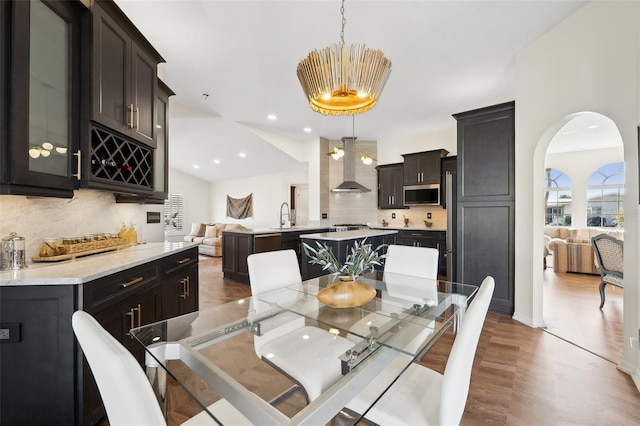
349	183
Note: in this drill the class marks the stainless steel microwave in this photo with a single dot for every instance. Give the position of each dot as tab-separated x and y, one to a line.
422	195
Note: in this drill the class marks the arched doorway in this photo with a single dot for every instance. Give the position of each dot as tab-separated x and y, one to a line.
583	144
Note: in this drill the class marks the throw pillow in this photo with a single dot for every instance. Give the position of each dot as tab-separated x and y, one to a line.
219	228
210	231
197	230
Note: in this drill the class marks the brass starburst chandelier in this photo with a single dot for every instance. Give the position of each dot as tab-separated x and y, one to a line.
343	79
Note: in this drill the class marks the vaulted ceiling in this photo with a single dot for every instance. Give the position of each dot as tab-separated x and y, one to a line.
233	63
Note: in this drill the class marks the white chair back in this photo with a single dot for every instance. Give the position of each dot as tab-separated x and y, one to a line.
457	373
273	269
125	390
409	260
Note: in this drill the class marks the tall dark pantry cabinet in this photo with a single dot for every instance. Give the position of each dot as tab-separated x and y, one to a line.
486	200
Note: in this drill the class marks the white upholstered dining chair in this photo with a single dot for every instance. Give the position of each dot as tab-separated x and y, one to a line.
307	354
415	261
125	390
422	396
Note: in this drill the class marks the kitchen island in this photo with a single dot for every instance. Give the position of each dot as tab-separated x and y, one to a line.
341	243
43	376
237	244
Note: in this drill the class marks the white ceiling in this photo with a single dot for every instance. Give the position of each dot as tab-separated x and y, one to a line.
448	57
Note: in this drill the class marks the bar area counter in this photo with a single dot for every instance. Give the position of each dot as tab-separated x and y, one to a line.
44	378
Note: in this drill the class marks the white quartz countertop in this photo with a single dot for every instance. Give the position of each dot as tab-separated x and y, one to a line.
348	235
410	228
87	268
277	230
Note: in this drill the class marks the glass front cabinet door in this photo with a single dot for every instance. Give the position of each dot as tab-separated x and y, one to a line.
41	154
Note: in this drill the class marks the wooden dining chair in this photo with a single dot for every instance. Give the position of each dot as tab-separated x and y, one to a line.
415	261
307	354
124	388
609	252
422	396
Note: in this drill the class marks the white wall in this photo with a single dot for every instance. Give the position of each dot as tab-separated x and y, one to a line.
390	150
269	192
589	62
197	200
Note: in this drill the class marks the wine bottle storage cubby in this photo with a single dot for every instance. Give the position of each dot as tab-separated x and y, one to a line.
117	159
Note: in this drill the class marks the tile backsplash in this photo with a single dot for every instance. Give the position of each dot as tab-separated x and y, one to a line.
416	216
88	212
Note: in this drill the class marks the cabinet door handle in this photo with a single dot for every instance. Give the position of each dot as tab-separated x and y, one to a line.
131	314
184	288
138	119
79	164
183	261
188	287
130	123
132	282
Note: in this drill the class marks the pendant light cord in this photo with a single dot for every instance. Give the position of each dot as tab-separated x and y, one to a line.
344	21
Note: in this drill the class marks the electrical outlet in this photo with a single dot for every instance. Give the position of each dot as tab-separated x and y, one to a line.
9	333
429	215
393	215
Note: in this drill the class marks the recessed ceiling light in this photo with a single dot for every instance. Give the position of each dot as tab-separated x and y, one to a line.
216	161
307	129
242	154
593	126
272	117
195	166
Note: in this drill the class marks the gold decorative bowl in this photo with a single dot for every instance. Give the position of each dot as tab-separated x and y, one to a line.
346	294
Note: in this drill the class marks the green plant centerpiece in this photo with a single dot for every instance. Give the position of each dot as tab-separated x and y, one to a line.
348	292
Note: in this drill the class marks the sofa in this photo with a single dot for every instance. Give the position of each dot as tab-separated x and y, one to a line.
208	236
572	249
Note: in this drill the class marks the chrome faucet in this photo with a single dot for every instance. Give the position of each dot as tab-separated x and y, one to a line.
281	214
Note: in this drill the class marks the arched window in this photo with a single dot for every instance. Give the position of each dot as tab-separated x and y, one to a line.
605	196
557	197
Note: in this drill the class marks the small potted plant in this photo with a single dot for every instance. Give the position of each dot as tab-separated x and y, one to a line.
348	293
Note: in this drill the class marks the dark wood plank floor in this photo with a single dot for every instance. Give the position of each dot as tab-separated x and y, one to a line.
521	375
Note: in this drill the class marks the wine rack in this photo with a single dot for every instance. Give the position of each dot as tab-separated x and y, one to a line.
117	159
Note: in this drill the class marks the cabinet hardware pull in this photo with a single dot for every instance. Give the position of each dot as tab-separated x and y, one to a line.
185	260
139	309
184	288
132	282
188	286
130	123
79	163
138	119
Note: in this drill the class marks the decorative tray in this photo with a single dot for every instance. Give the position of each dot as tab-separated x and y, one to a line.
71	251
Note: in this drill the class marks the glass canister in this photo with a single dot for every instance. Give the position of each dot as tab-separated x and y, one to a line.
13	252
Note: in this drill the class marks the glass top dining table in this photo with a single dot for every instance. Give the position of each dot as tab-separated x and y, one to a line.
213	353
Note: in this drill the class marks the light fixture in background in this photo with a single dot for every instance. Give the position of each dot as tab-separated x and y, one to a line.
338	152
341	79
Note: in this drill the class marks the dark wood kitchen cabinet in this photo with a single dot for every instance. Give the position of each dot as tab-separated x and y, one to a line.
124	70
390	182
423	168
160	154
430	239
179	284
236	247
40	106
486	200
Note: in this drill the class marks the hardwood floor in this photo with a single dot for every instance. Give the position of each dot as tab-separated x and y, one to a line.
521	375
571	312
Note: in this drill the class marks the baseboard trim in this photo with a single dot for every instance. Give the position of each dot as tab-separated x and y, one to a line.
528	321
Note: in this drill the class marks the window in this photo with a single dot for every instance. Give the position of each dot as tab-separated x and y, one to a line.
605	196
173	214
557	197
